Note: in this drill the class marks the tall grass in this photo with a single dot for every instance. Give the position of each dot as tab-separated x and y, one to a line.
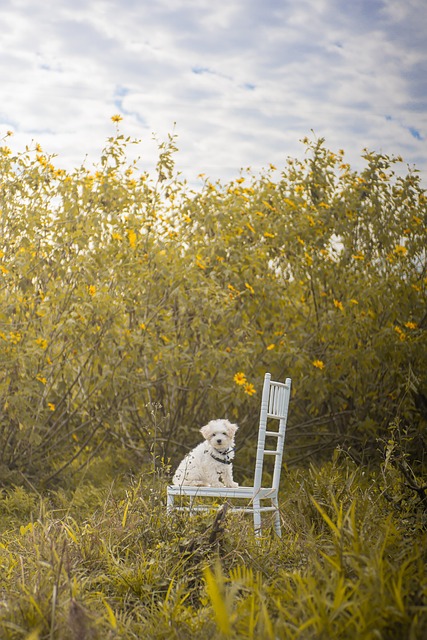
350	564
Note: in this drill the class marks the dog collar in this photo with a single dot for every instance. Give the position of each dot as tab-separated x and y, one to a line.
226	461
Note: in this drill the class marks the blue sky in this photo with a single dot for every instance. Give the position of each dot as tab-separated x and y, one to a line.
244	80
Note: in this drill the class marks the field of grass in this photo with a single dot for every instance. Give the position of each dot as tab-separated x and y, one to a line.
100	562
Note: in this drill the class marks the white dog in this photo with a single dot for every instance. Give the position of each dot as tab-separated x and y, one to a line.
210	463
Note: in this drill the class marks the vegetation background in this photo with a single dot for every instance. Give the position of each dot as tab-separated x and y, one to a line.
134	308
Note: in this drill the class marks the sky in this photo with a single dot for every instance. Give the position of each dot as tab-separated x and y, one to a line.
240	82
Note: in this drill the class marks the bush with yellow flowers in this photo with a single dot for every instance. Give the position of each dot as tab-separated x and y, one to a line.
133	307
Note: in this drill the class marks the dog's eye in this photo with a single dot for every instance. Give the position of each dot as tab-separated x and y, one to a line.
223	433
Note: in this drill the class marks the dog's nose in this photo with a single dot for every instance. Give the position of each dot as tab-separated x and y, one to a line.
219	440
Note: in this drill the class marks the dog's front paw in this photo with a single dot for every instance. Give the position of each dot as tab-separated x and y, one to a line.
233	485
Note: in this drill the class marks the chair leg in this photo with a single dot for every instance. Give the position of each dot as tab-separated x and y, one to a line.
257	517
277	526
170	503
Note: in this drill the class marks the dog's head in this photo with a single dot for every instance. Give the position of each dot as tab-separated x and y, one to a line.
219	433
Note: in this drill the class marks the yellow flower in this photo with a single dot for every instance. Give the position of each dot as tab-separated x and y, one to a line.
250	227
267	234
249	389
3	269
91	290
116	118
15	337
400	250
358	256
411	325
142	326
51	406
400	333
132	238
240	378
339	305
318	364
248	286
42	343
41	379
271	347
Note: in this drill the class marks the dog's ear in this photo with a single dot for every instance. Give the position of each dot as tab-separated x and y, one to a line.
231	428
206	431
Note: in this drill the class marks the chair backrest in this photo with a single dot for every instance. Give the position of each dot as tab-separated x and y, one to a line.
274	407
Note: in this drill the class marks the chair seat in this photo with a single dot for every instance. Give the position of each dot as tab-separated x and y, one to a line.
223	492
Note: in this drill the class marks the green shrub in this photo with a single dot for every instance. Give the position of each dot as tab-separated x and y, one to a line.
128	303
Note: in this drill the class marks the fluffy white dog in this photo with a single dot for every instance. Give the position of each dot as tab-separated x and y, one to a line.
210	463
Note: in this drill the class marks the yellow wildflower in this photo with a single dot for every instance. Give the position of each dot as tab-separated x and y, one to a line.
339	305
116	118
91	290
268	205
411	325
3	269
248	286
400	250
51	406
290	203
42	343
400	333
308	258
271	347
267	234
41	379
319	364
132	238
249	389
240	378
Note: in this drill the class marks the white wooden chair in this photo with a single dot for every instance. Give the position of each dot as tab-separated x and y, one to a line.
272	426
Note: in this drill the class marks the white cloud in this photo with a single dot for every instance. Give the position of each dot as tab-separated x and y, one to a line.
244	80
